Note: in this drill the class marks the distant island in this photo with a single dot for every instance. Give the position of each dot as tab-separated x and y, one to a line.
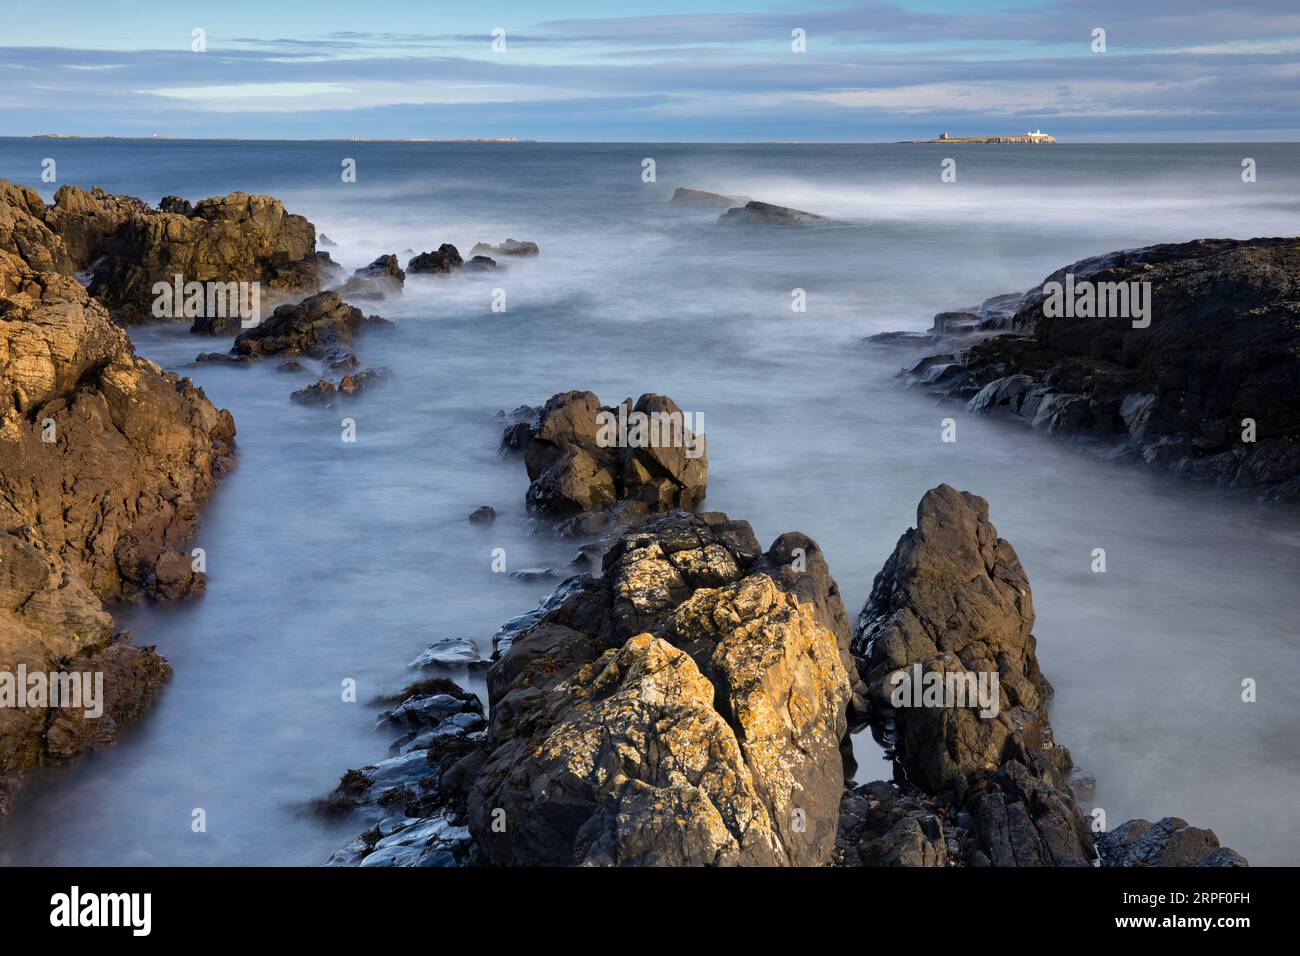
1037	136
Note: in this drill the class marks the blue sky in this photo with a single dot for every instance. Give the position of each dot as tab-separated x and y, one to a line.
708	70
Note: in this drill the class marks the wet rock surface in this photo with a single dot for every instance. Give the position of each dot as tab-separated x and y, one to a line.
1203	391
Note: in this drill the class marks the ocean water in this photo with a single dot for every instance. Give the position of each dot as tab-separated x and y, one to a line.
329	561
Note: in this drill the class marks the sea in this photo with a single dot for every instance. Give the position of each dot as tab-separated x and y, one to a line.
332	562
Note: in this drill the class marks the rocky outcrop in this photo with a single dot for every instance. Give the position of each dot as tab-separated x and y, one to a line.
104	462
1169	842
129	246
322	326
685	707
382	278
945	648
589	472
511	247
445	259
1202	386
953	599
233	238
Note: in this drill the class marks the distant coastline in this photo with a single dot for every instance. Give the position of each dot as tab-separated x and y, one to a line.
337	139
1036	137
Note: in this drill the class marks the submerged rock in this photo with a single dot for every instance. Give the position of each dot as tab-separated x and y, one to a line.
756	213
511	247
683	196
484	514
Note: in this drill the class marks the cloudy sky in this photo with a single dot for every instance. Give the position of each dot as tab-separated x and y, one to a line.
702	70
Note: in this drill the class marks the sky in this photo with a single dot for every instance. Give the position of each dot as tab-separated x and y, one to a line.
671	70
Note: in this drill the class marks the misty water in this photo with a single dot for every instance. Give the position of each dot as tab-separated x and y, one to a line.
329	560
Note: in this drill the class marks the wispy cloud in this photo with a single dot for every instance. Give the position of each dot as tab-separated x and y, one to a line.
874	70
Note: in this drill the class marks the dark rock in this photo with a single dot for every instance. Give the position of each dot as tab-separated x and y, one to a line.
382	278
1169	842
446	259
756	213
953	598
310	327
484	514
1222	346
480	264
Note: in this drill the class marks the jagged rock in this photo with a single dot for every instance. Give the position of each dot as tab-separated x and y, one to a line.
416	797
446	259
580	472
1222	347
382	278
1169	842
953	598
755	213
878	826
973	790
310	327
686	649
511	247
104	462
234	238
